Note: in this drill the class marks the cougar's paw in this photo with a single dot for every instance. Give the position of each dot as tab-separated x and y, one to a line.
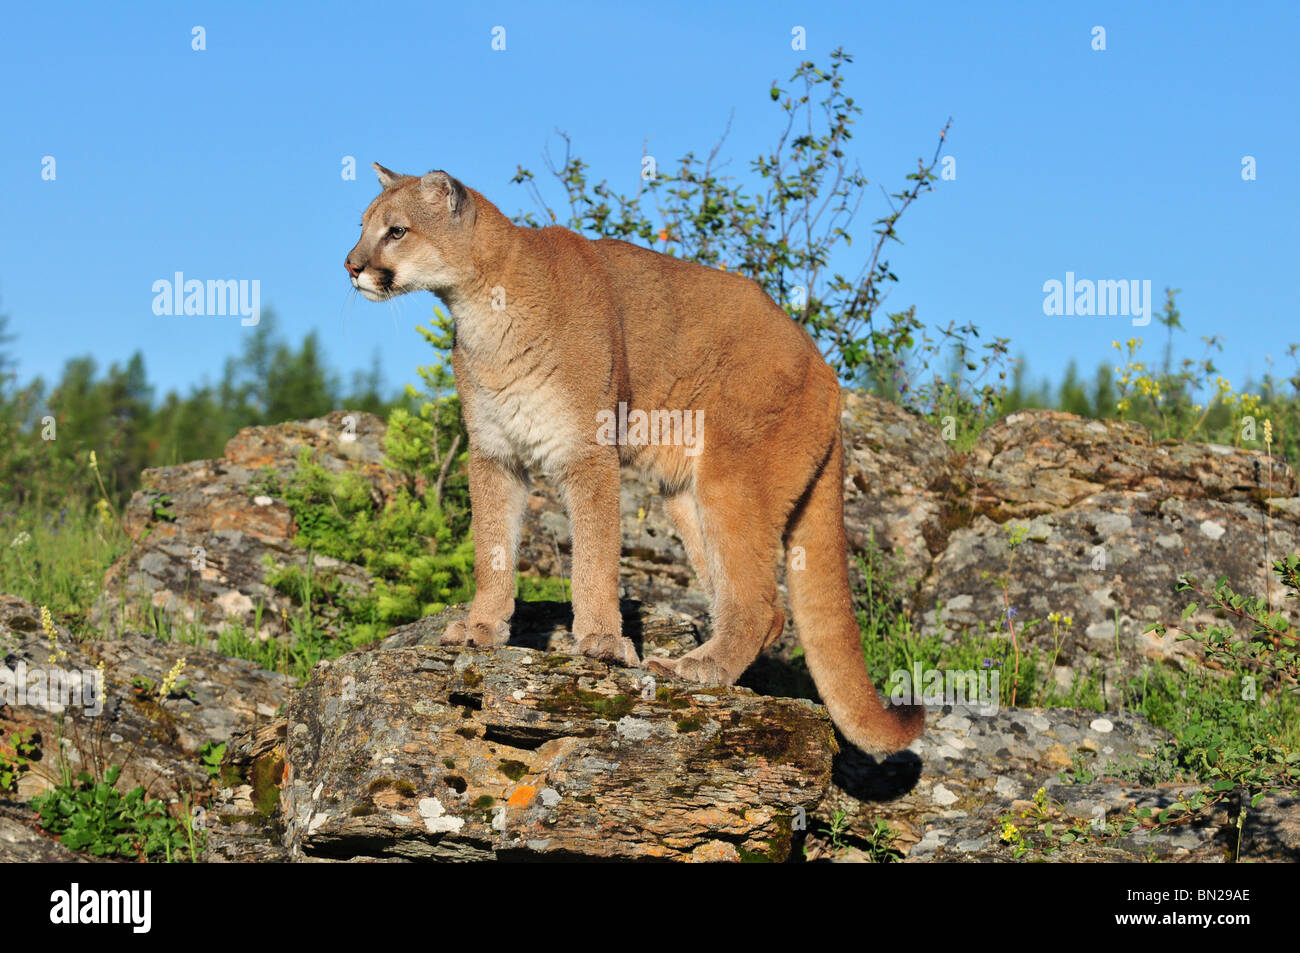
662	666
609	648
693	668
484	634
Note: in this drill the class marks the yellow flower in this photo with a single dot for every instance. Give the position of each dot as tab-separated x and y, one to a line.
47	625
94	464
1268	430
1010	833
169	680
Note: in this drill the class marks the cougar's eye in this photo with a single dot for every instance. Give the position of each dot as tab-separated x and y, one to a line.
396	232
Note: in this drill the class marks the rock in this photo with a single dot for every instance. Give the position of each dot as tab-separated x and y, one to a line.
21	841
896	468
948	796
1038	461
245	821
157	744
415	752
1111	561
204	534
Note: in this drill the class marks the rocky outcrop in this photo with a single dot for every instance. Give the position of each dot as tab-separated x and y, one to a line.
89	705
205	534
404	750
950	796
419	752
409	751
1112	521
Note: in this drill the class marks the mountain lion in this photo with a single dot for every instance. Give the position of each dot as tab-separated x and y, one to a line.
573	357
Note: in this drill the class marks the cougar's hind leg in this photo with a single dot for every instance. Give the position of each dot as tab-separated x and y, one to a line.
684	512
741	532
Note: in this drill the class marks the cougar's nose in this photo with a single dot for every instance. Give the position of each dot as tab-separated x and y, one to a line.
353	270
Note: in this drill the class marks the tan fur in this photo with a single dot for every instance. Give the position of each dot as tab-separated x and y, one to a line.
551	330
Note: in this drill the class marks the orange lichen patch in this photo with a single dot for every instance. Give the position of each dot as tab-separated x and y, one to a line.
522	796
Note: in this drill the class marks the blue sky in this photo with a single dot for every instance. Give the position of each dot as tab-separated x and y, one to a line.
225	163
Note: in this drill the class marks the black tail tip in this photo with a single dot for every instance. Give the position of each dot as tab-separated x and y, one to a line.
908	724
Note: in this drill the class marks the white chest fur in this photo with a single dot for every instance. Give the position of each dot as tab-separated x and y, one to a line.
517	411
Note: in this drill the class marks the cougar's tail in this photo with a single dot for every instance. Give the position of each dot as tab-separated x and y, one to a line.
823	616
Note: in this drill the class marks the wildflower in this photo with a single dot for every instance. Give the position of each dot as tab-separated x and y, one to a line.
20	540
47	625
1010	833
1268	430
94	464
169	680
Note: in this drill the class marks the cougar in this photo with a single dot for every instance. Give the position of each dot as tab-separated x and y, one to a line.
574	357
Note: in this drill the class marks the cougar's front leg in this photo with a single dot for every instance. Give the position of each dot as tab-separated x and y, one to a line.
496	493
590	488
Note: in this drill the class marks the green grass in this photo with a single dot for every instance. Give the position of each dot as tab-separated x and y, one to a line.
56	557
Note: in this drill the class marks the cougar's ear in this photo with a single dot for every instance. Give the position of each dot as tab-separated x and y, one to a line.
438	185
387	177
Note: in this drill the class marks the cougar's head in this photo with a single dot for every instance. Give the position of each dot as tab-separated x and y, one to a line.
414	237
